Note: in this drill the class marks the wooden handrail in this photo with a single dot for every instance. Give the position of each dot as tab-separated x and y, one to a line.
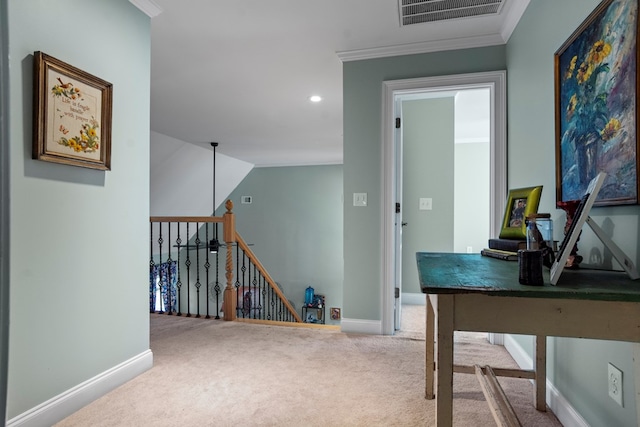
252	257
186	219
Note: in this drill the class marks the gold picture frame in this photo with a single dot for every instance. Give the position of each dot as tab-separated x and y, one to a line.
520	203
72	115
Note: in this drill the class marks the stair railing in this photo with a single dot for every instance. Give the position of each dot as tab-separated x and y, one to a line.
174	245
271	302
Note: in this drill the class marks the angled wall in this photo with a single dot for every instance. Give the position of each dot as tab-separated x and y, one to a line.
181	177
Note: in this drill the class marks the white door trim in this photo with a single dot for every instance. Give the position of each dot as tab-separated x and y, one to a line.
497	82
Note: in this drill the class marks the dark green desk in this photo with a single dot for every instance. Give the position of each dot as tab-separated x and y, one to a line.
469	292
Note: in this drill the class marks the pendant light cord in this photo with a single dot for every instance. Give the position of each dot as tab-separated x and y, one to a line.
214	145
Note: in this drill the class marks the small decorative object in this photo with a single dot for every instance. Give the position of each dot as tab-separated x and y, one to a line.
596	105
72	115
540	236
311	317
530	267
520	203
318	301
335	313
308	296
570	207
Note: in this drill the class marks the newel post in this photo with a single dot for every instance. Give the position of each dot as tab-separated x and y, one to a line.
229	227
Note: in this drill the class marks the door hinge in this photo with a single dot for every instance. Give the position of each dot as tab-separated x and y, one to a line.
397	292
398	122
397	207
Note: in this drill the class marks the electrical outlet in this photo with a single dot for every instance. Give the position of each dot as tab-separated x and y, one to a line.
615	384
469	249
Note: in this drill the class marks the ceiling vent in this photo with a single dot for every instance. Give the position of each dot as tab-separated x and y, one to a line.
419	11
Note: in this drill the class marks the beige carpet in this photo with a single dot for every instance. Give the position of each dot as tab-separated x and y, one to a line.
215	373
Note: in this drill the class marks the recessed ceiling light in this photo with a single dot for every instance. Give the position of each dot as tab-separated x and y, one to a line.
315	98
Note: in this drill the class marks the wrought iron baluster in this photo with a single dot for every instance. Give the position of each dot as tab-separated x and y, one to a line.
152	281
206	267
160	242
187	263
261	293
169	281
254	285
272	307
197	285
179	283
217	286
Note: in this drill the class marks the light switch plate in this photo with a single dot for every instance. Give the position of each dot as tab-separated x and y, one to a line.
426	203
359	199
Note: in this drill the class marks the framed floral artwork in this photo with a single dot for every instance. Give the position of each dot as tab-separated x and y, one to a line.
72	115
596	109
520	203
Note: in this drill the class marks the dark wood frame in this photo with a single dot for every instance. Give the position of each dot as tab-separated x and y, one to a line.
48	94
597	138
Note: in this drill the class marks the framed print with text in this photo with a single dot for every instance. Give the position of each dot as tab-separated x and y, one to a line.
72	115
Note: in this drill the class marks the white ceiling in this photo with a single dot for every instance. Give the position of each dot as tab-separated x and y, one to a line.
240	72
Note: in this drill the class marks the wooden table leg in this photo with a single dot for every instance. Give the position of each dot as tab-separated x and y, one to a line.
429	359
444	360
540	369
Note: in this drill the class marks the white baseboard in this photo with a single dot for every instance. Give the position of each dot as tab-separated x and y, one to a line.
70	401
360	326
414	299
562	409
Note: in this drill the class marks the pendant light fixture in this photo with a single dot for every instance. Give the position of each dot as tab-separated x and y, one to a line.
214	244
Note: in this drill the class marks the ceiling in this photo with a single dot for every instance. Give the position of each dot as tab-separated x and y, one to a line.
241	72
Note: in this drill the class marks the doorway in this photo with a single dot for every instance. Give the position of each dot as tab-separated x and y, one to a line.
448	88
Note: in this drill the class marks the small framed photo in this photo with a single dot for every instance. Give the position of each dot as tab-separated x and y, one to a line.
335	313
72	115
520	203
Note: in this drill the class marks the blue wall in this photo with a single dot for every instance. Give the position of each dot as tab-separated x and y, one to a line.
577	368
79	243
295	225
363	160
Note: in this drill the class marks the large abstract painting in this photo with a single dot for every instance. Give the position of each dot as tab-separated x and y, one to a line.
596	111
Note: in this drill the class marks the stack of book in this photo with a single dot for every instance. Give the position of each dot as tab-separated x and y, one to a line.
506	249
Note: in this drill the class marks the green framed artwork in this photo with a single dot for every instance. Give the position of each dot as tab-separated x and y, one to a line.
520	203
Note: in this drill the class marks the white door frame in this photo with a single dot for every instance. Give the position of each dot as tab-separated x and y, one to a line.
496	81
4	205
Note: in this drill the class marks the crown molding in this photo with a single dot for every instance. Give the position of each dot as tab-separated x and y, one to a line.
513	17
421	47
149	7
